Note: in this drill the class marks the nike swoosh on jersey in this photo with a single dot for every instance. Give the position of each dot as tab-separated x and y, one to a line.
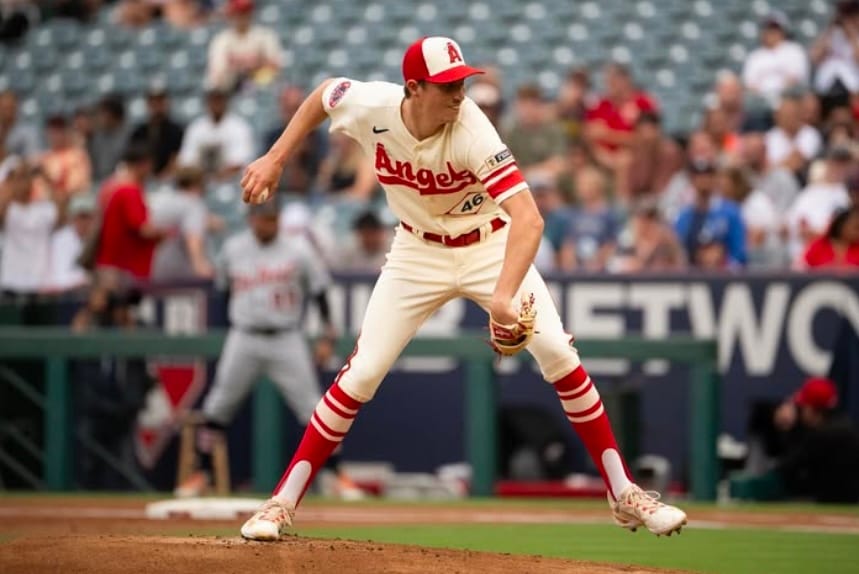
380	130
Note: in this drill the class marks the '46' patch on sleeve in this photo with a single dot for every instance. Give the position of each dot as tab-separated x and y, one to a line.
499	158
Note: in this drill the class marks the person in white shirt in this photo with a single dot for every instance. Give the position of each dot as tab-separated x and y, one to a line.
65	274
27	226
791	143
835	53
182	208
810	214
778	63
243	52
218	142
469	227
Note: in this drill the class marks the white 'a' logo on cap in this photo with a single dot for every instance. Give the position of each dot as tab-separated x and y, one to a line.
453	53
441	54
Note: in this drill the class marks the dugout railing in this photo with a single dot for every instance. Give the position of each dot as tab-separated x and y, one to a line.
55	347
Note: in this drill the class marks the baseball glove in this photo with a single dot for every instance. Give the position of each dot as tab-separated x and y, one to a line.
508	340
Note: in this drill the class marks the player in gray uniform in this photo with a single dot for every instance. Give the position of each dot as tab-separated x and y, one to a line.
270	279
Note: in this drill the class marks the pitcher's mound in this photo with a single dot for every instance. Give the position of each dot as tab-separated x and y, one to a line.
135	554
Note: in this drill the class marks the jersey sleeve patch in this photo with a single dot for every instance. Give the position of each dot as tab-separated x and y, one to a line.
338	92
499	158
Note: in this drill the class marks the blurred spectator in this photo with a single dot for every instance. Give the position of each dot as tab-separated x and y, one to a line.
109	136
536	141
368	248
184	14
716	123
127	237
778	183
593	225
574	99
183	209
243	52
135	13
19	138
16	18
810	214
218	142
679	192
346	172
159	132
65	273
778	63
302	167
83	124
824	465
839	247
834	56
611	121
556	219
791	143
648	244
711	229
853	188
578	156
65	163
729	98
809	110
759	215
81	10
487	96
840	129
655	158
27	225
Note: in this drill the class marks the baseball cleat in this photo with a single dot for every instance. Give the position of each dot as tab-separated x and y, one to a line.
270	521
195	485
636	507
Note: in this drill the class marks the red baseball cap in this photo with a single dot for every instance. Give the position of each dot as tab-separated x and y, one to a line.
436	59
240	6
818	393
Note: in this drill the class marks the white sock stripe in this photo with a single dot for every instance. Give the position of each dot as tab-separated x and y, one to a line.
594	415
339	405
572	392
498	177
331	419
325	434
583	403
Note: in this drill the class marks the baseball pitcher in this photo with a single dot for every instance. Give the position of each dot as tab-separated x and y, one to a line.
469	228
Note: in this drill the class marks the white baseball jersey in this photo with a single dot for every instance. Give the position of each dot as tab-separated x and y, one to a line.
450	183
269	284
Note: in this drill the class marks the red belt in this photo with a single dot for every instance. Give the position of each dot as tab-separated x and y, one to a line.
472	236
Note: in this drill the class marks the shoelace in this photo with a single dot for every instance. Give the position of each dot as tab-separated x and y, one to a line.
646	500
273	511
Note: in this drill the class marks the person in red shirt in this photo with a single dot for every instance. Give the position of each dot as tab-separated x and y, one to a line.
839	247
610	123
127	239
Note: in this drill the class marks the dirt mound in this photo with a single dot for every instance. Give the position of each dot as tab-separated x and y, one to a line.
135	554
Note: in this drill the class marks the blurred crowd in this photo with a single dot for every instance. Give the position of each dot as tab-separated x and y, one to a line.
768	180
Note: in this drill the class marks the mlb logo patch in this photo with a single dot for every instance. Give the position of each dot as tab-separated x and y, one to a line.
338	92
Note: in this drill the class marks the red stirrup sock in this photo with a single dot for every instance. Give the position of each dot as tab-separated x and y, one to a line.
584	409
328	425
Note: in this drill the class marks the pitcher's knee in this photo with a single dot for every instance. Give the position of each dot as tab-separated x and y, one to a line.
557	360
360	383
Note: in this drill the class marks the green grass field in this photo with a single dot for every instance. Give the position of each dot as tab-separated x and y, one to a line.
718	551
